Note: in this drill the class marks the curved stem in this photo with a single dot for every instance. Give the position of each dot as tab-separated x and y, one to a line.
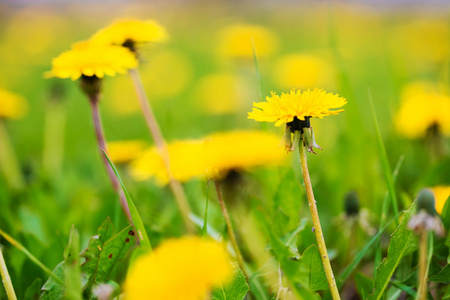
230	231
155	131
6	279
102	145
317	228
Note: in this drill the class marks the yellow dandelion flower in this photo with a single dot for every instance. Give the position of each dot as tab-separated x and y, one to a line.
186	162
179	269
423	110
303	71
12	106
129	32
241	150
211	156
441	194
90	59
238	41
296	104
125	151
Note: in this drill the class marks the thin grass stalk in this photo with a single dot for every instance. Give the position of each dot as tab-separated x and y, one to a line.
8	160
102	145
7	283
150	119
317	228
230	230
52	154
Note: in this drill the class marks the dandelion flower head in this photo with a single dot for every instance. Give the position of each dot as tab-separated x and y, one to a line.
423	107
123	32
179	269
296	104
90	59
240	39
12	106
212	156
125	151
441	194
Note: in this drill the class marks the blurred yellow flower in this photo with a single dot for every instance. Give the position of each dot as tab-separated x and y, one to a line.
179	269
129	32
422	107
89	59
212	156
125	151
12	106
283	109
238	41
222	93
186	162
441	194
303	71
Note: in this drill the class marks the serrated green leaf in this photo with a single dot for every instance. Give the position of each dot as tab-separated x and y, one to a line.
402	243
53	290
113	251
234	290
447	294
311	269
443	276
446	214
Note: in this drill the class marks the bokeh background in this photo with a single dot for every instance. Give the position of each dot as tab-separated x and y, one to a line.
204	80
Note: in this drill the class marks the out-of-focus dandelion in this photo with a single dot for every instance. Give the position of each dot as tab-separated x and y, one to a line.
423	108
296	109
179	269
240	40
222	93
211	157
131	34
122	152
12	106
90	62
303	71
426	220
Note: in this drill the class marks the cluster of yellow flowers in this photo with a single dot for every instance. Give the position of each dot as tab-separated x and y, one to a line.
212	156
108	52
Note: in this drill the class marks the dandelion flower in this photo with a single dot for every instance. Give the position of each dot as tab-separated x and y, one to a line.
212	156
125	151
90	59
441	194
12	106
423	110
130	32
238	41
296	104
179	269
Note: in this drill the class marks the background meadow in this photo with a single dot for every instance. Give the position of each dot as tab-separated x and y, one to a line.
200	82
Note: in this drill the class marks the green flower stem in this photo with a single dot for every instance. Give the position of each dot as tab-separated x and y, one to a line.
317	228
6	279
423	265
8	160
231	234
102	145
175	185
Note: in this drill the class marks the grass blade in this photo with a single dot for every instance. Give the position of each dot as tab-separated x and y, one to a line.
33	258
136	218
205	219
7	283
384	161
